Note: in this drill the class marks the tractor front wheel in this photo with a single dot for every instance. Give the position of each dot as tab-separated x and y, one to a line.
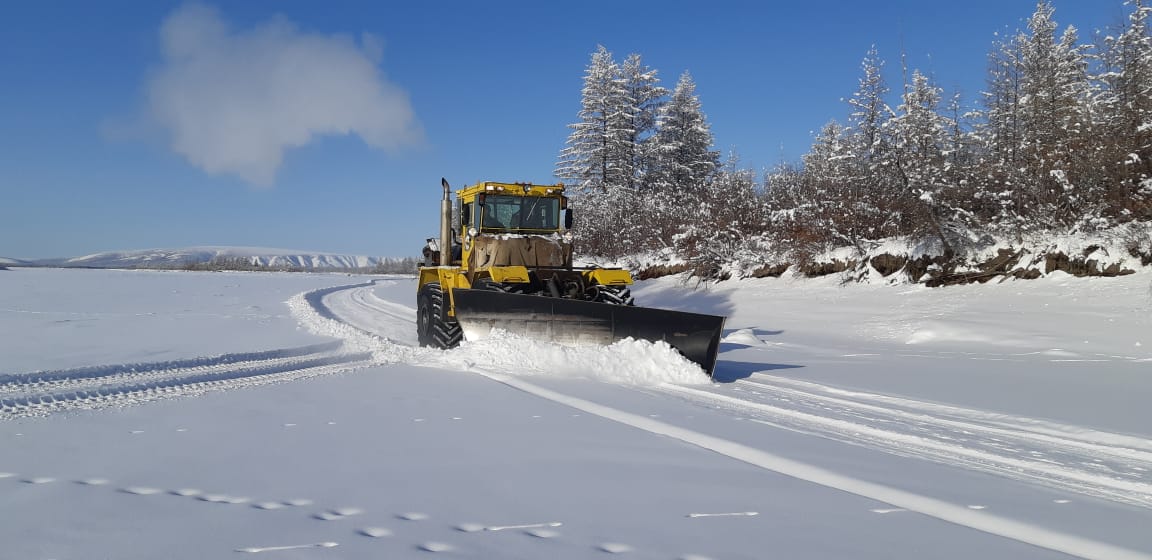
433	326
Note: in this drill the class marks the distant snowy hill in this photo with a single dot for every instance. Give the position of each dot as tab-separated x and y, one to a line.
5	260
199	255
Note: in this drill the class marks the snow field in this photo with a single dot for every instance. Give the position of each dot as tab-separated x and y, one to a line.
376	457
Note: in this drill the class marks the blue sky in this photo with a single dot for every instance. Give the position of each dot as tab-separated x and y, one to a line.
343	152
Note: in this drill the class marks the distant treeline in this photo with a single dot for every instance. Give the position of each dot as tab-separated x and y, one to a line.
405	265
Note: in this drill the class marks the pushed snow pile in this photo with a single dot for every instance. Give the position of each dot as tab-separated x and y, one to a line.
746	337
933	331
637	362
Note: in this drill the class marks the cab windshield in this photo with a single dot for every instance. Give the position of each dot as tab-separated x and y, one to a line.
502	213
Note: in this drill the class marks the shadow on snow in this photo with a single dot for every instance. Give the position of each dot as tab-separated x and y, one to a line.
729	371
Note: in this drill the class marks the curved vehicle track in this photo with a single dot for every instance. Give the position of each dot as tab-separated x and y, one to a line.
1105	465
367	321
44	392
358	306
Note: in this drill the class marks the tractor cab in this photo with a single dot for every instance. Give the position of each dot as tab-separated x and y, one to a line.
509	219
512	208
518	214
502	224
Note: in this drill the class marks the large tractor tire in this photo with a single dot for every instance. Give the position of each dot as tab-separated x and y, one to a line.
433	327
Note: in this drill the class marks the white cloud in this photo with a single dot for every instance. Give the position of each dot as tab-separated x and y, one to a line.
234	100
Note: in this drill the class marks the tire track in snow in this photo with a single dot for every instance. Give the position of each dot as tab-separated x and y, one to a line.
1108	466
352	323
966	516
146	382
16	382
359	307
1117	445
44	392
311	310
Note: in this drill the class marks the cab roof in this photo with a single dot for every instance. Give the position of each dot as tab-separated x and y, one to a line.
512	189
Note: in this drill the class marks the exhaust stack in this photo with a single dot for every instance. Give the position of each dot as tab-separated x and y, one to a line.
445	226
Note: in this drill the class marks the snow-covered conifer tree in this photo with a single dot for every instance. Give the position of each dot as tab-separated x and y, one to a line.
869	110
829	201
1036	129
1127	107
865	194
920	136
645	97
999	192
610	152
598	150
683	141
1054	118
1000	130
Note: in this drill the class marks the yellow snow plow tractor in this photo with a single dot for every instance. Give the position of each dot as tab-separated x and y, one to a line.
503	260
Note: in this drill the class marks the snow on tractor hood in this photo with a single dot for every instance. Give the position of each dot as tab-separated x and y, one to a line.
532	251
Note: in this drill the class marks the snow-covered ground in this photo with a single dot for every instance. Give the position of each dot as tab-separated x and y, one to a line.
211	415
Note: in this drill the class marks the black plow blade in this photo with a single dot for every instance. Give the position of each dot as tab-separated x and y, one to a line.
574	322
